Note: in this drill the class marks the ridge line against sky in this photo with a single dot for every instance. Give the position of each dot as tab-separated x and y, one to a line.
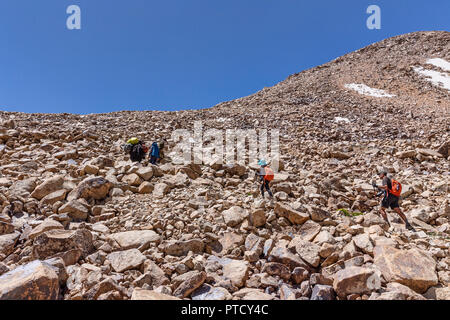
179	55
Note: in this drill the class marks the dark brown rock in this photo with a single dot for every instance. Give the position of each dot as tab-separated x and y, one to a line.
36	280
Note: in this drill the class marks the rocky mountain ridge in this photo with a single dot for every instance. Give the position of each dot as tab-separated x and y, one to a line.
80	221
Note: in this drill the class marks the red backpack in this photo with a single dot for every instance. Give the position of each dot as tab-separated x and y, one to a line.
396	189
269	174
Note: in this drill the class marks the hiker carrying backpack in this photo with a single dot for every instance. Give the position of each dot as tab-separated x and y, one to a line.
265	175
135	148
154	153
137	153
393	190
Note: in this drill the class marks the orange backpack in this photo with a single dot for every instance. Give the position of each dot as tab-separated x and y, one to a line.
269	174
396	188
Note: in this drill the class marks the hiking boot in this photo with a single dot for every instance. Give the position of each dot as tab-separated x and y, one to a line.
408	226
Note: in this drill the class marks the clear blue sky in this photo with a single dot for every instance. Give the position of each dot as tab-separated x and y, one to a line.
180	54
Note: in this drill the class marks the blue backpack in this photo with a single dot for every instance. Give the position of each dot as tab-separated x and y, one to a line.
155	150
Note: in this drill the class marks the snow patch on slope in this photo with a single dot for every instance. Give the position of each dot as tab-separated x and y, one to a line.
222	119
368	91
440	63
438	79
339	119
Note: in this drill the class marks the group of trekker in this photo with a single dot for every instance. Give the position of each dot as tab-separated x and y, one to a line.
390	188
391	191
138	150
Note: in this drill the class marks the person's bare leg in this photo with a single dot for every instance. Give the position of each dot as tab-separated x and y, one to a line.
403	216
384	215
268	189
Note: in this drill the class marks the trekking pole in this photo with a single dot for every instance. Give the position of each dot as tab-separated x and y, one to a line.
377	189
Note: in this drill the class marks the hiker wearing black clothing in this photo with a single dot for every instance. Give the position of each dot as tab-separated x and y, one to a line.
136	149
390	200
263	178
